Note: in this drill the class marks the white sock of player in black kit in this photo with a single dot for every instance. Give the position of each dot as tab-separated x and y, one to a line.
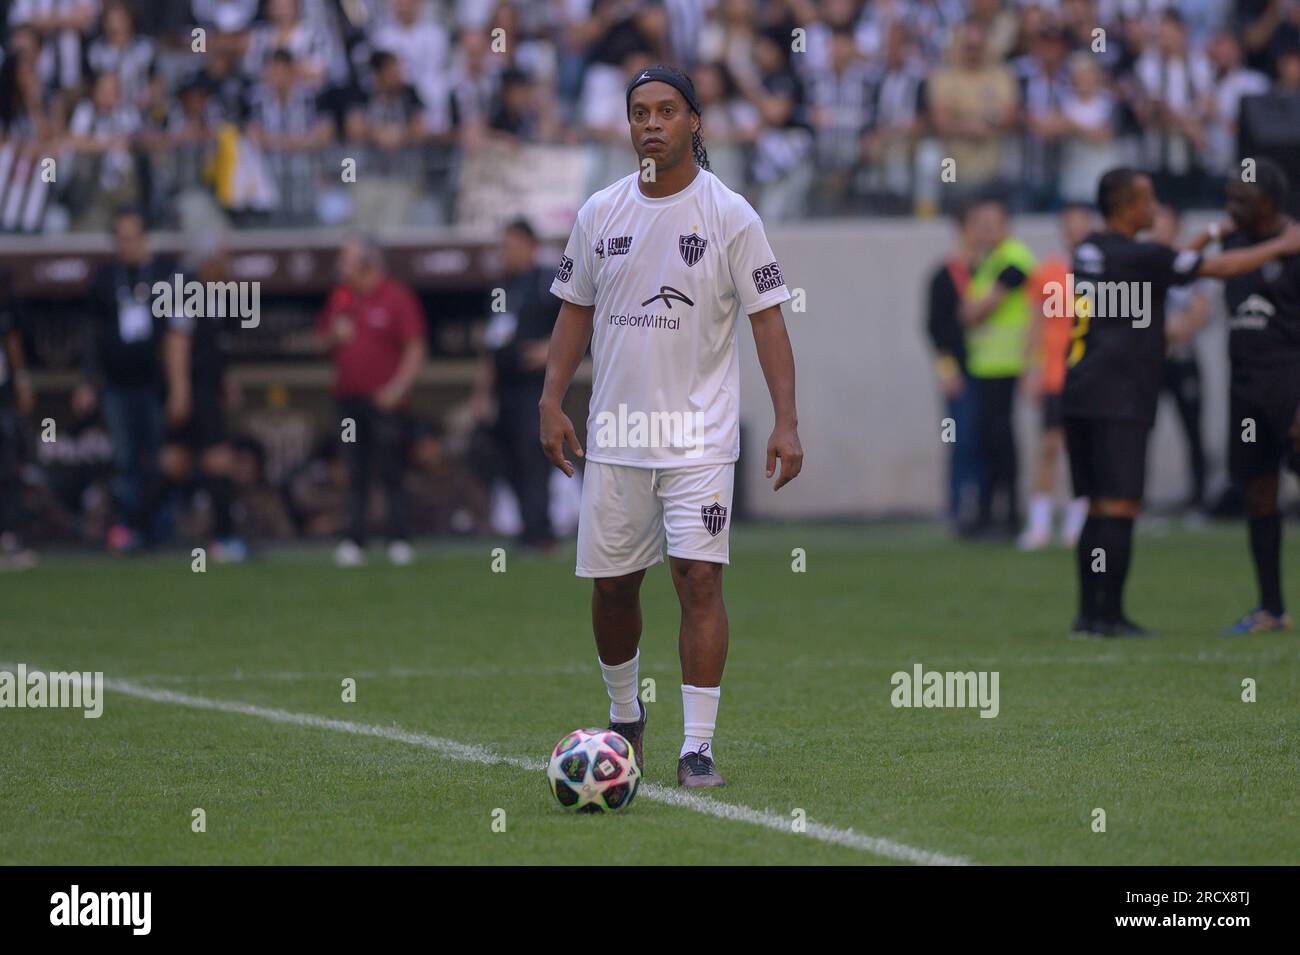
700	715
621	685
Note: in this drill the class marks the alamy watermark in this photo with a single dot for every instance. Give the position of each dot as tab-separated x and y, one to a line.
946	689
22	689
177	298
650	429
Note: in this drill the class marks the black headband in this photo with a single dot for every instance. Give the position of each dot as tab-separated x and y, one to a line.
674	78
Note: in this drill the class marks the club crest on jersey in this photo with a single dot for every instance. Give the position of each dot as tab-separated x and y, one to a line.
691	247
715	518
565	271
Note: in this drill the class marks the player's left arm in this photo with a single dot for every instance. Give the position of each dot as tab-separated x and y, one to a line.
776	358
1225	265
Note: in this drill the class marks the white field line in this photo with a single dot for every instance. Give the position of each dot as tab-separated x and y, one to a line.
464	752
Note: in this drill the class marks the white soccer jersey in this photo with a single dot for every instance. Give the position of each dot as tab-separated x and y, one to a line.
668	278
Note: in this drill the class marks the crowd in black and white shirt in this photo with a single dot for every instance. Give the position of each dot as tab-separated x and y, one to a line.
809	104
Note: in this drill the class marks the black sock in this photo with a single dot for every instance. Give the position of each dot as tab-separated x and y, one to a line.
1266	550
1087	579
1115	538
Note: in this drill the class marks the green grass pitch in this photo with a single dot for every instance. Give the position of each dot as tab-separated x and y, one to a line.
1153	732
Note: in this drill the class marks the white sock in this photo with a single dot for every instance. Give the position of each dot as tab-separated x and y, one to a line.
1076	515
1040	514
621	685
700	714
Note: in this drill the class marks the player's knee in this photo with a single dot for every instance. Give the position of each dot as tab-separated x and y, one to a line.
618	591
699	583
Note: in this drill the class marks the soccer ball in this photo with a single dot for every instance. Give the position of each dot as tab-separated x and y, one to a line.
593	771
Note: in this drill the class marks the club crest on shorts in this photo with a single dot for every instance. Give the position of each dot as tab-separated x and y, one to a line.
691	247
715	518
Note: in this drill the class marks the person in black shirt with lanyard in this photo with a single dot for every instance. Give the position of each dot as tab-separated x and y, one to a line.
124	373
1114	377
1264	348
513	371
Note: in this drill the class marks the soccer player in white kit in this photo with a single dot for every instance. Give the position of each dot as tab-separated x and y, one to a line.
656	272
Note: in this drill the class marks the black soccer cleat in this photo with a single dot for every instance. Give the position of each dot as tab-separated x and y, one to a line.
696	771
1125	629
634	733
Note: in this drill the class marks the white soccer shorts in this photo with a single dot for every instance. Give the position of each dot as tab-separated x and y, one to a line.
628	512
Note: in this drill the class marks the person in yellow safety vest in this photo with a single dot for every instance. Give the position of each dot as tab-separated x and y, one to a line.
995	313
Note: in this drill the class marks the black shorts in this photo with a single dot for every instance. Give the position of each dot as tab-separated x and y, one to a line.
206	426
1268	400
1108	456
1053	411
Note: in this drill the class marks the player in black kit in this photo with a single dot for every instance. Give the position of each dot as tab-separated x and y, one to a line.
1264	347
1115	372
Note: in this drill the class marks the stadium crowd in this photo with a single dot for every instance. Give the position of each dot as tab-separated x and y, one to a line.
242	110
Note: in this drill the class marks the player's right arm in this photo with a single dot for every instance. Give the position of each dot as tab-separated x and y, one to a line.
569	342
575	287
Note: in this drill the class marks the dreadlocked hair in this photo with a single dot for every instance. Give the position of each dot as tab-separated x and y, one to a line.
697	149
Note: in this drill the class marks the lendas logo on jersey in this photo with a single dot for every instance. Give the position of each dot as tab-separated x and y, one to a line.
631	428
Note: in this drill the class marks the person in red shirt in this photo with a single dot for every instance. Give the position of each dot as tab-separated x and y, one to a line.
374	329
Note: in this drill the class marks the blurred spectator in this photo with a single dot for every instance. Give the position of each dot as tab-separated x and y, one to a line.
1268	28
1232	83
898	119
124	373
100	131
197	448
62	27
120	50
840	113
286	29
374	330
1177	89
1044	85
509	383
782	170
1088	123
288	125
422	47
948	340
995	313
390	124
1044	381
973	104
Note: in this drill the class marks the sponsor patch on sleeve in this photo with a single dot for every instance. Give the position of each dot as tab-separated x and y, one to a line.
768	278
565	272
